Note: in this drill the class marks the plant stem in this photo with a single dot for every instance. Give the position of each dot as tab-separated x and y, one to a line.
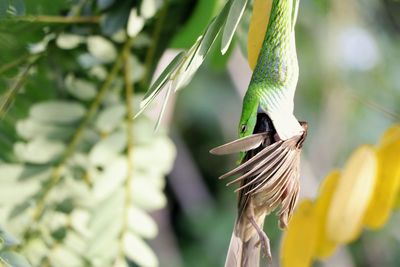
5	102
129	91
14	63
60	19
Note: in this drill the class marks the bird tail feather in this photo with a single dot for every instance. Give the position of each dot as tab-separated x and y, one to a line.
243	254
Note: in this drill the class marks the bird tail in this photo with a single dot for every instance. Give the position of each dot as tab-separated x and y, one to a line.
243	254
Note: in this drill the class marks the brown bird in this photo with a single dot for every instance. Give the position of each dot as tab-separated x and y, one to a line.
268	179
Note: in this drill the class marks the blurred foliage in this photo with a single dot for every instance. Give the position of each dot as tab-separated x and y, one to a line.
82	184
8	257
78	178
361	196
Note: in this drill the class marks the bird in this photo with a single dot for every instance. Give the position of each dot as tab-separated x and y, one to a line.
270	141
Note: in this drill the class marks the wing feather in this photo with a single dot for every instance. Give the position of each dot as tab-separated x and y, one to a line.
247	165
259	169
240	145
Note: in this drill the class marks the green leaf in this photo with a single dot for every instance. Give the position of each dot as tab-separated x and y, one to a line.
87	61
35	250
147	197
156	87
184	72
105	212
101	48
105	151
99	72
153	178
13	193
71	188
13	172
63	257
39	151
120	262
235	14
241	34
79	221
199	50
75	243
68	41
112	178
7	240
141	223
19	182
54	220
12	259
158	157
143	131
106	254
57	112
30	129
103	241
148	8
19	210
81	89
135	23
138	251
110	117
164	106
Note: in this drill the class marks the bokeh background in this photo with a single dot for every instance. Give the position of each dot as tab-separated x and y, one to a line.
348	91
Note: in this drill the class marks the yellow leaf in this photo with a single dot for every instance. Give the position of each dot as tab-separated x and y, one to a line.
397	204
388	180
258	28
298	243
325	247
352	196
391	135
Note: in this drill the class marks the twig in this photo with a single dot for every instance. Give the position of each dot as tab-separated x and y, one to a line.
129	91
14	63
6	100
59	19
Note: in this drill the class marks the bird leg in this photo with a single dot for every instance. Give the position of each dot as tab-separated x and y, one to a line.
263	238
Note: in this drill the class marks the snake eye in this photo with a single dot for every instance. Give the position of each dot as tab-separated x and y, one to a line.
243	128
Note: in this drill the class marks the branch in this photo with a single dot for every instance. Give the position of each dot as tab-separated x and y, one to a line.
60	19
5	102
15	63
129	91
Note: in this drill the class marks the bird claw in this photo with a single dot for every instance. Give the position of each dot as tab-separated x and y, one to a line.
265	245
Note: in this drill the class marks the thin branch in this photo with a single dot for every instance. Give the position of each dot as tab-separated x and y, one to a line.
59	19
9	95
129	91
15	63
